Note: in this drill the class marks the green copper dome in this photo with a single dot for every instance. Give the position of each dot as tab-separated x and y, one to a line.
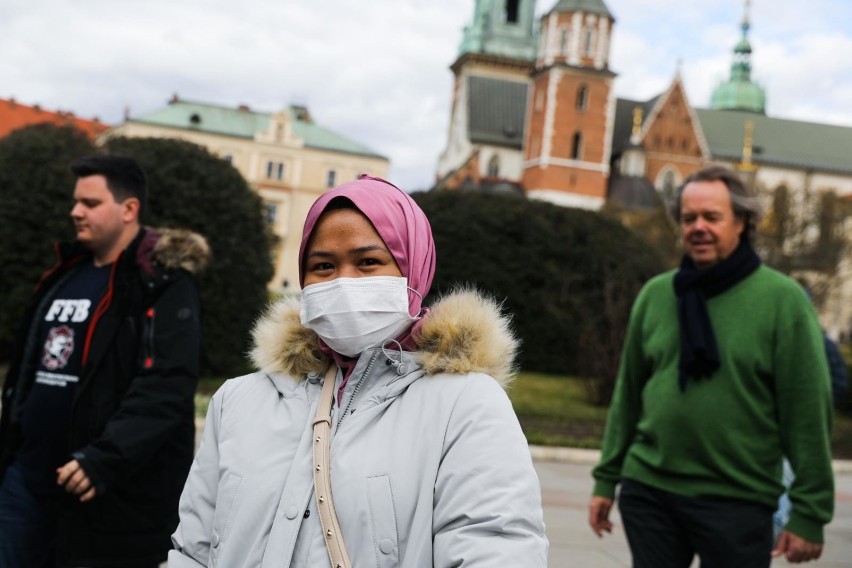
740	92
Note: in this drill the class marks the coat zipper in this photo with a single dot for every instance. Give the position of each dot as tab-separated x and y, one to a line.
357	388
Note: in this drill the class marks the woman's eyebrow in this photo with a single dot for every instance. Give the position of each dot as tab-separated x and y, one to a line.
358	250
369	248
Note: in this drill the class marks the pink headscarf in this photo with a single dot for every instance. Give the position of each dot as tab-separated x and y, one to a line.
401	224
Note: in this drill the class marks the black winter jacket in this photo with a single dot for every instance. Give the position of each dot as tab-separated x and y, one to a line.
132	418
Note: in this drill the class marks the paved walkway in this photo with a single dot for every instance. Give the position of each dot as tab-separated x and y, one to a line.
566	485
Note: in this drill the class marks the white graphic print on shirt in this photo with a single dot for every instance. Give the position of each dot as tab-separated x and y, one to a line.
58	347
68	310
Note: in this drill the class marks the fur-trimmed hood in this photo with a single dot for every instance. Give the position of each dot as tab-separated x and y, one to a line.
463	332
173	249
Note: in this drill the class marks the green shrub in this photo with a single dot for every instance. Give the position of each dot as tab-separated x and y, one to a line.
567	276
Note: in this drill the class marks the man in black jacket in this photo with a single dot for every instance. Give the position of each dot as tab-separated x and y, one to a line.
97	424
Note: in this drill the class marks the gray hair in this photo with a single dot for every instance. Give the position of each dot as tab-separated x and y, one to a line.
746	206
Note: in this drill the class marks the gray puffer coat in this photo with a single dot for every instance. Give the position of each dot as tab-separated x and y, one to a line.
429	466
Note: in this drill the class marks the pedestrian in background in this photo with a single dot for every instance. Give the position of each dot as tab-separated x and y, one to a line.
97	427
723	373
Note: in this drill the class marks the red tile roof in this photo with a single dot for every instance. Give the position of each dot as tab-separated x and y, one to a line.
14	115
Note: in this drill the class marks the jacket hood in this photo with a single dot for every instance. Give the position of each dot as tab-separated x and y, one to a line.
464	332
173	249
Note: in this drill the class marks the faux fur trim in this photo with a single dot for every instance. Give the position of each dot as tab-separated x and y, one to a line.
467	332
181	248
464	332
281	344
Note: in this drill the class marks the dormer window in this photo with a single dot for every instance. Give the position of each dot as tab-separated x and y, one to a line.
195	119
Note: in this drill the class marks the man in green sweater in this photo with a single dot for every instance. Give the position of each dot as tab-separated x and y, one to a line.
723	372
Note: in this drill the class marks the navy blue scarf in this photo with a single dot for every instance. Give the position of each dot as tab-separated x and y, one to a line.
699	353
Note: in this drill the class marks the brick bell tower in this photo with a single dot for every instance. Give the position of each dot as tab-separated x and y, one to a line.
571	109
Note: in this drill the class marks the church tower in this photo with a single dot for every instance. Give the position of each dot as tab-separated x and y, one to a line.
740	92
501	27
571	110
491	80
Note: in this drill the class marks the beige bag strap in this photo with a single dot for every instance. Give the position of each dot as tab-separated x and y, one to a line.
322	474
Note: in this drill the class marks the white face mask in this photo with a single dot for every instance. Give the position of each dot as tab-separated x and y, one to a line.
354	314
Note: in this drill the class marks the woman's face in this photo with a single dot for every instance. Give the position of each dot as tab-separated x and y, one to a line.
344	244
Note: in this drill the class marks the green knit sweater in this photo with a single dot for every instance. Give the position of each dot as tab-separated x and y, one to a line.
726	434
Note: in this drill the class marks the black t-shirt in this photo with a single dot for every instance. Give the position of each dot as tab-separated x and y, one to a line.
61	337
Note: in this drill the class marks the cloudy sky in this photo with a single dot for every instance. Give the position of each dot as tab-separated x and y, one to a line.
378	70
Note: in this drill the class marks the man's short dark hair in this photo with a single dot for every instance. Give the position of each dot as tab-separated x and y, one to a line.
745	205
124	176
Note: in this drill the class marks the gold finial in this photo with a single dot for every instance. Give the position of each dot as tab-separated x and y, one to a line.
748	145
637	121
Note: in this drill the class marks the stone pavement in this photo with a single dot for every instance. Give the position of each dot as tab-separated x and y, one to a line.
566	482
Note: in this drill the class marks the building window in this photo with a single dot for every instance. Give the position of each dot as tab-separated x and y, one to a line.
563	41
270	211
512	11
588	41
228	158
195	119
274	170
493	167
331	178
577	146
582	97
684	145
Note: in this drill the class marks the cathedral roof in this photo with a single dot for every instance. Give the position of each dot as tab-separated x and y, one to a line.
778	141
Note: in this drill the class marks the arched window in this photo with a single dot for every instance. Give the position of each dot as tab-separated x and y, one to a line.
493	166
582	97
577	146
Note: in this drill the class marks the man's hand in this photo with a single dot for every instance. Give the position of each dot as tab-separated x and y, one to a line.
796	549
74	479
599	515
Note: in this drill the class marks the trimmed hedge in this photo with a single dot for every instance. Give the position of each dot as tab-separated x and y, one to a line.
567	276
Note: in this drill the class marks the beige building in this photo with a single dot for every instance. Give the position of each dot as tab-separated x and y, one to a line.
285	156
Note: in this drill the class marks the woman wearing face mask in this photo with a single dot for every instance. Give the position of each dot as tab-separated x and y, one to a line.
428	465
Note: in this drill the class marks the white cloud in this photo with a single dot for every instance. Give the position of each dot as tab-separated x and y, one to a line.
378	71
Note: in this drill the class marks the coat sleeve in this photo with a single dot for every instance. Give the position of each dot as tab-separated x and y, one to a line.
626	406
487	501
160	399
192	538
803	392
